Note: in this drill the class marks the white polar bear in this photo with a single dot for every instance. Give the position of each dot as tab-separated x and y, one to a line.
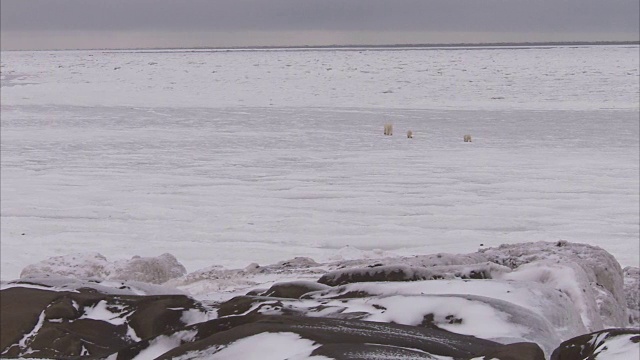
388	129
467	138
410	134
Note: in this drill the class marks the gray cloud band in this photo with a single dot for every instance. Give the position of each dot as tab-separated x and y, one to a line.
326	15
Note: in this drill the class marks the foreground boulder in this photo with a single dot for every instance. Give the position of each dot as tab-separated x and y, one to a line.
42	322
377	273
333	338
290	290
496	310
589	275
601	345
516	301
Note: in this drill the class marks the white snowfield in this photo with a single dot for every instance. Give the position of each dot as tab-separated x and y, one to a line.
233	157
572	77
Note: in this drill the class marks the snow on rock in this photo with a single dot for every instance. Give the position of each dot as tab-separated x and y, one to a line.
263	346
291	289
332	338
164	343
568	278
588	275
610	344
556	307
298	262
502	311
596	274
91	321
154	270
111	287
482	317
542	293
632	294
411	273
216	282
426	261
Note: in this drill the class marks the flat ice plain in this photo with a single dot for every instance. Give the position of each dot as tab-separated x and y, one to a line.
233	157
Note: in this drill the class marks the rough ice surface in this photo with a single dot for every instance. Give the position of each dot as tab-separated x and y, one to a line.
225	172
575	78
206	154
153	270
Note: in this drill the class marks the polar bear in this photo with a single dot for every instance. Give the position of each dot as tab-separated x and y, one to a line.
388	129
467	138
410	134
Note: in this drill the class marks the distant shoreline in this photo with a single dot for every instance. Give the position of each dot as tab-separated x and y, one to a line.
365	46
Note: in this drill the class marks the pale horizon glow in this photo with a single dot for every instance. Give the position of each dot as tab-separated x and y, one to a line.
140	40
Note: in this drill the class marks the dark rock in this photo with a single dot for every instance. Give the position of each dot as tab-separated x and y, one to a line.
62	308
202	331
157	314
380	273
298	262
515	351
589	346
292	290
347	336
337	295
56	324
240	305
20	309
368	352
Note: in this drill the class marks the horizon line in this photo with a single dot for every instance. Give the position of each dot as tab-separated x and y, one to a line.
355	46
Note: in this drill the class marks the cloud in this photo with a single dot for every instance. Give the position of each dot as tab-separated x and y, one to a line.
221	17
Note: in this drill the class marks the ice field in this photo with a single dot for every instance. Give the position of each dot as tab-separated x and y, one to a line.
233	157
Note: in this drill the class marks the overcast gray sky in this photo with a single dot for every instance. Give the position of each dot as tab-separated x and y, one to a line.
54	24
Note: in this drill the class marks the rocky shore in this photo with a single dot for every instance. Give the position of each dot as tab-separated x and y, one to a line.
559	301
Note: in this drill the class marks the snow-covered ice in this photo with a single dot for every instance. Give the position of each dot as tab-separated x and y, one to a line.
233	157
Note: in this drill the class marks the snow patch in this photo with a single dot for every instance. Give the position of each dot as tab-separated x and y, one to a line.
620	347
164	343
194	316
113	314
263	346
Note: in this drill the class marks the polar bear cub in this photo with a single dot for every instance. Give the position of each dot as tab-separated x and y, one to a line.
467	138
388	129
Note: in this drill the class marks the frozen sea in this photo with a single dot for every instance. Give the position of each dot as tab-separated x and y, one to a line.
234	157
